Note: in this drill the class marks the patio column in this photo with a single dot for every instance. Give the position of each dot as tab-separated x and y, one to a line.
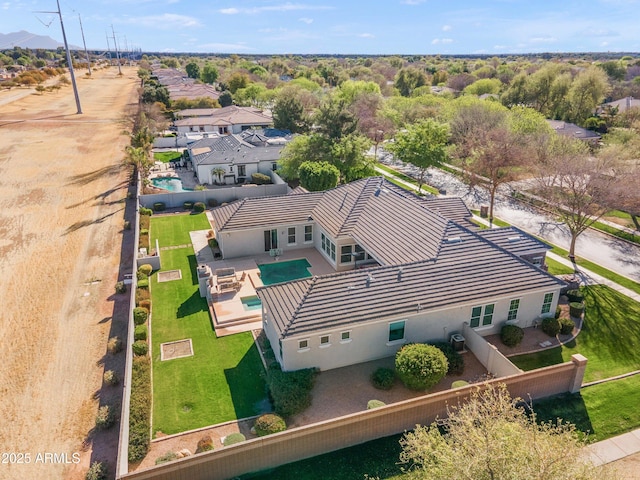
580	362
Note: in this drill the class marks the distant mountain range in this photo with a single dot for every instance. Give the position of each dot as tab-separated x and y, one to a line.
26	39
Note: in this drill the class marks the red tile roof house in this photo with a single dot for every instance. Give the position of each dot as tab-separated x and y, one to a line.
430	272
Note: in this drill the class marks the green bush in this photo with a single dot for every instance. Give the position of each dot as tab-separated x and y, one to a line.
145	269
205	444
268	424
144	283
140	408
558	312
114	345
142	294
97	471
290	391
213	243
198	207
456	361
105	417
140	315
383	378
146	211
127	225
421	366
511	335
233	438
159	206
212	202
120	287
260	178
551	326
140	332
110	377
145	304
371	404
167	457
576	309
575	295
188	205
566	326
144	231
140	348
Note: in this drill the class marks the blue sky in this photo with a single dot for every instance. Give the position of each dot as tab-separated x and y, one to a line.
339	27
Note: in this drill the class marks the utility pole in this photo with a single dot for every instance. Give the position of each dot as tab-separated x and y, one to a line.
85	45
69	62
117	52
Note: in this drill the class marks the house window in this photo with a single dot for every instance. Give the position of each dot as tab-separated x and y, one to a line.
487	318
308	233
270	239
345	336
302	344
333	251
537	261
328	247
396	331
513	309
274	166
476	313
242	170
546	303
291	236
324	341
345	254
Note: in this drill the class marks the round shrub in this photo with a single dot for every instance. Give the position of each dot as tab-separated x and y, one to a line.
167	457
268	424
459	384
110	377
140	348
576	309
205	444
146	304
187	205
121	287
198	207
114	345
140	332
159	206
383	378
566	326
97	471
551	326
145	269
212	202
575	295
213	243
232	438
558	312
144	231
456	361
127	225
146	211
371	404
421	366
140	315
105	418
511	335
144	283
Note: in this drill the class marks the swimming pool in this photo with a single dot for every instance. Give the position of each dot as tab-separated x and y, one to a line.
251	303
278	272
172	184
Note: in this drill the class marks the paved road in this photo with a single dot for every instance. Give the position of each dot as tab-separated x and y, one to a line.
611	253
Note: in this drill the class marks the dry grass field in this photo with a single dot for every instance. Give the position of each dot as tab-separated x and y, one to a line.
62	201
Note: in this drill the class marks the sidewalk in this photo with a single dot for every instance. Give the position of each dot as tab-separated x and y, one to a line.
614	448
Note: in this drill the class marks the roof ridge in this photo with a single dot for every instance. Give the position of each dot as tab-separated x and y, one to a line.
356	202
237	207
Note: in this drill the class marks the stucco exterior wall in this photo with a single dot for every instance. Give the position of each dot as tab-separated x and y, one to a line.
251	241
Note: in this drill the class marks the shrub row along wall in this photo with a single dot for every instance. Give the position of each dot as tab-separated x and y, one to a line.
312	440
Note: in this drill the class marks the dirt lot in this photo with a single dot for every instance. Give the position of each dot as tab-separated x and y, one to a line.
62	205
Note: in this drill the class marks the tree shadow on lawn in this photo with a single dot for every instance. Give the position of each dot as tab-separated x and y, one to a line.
568	407
247	385
194	304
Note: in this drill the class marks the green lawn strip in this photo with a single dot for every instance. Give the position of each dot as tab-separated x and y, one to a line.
616	232
174	229
603	411
557	268
608	338
222	381
166	157
406	178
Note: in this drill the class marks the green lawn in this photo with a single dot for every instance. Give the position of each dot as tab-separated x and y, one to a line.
174	229
166	157
610	338
222	381
557	268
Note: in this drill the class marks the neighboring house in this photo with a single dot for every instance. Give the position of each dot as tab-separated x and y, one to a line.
192	91
230	160
623	104
226	120
572	130
426	274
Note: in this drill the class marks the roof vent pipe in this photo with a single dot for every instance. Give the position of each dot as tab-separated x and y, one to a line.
400	274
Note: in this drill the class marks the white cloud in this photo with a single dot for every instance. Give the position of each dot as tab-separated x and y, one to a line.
285	7
446	28
306	20
367	35
436	41
165	21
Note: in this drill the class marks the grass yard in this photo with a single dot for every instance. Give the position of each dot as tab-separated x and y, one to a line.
166	157
173	230
610	338
557	268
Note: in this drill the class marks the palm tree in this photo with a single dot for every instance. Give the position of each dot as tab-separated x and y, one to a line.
218	171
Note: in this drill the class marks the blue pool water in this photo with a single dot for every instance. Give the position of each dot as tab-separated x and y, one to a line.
169	183
251	303
278	272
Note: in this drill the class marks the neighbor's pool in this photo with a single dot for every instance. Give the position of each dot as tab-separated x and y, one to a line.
172	184
251	303
278	272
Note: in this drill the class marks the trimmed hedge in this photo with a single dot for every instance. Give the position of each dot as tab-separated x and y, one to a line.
268	424
213	243
140	408
371	404
421	366
260	179
290	392
205	444
198	207
140	347
558	312
551	326
159	206
575	295
188	205
146	211
145	304
233	438
566	326
456	361
511	335
140	315
145	269
576	309
140	332
144	283
212	202
383	378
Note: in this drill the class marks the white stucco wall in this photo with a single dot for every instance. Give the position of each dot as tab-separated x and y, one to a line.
251	241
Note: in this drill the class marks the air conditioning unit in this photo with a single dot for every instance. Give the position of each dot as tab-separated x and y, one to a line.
457	342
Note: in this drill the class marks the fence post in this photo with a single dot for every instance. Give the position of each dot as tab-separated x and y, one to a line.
580	362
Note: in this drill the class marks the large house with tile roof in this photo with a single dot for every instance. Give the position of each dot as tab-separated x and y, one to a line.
428	272
225	120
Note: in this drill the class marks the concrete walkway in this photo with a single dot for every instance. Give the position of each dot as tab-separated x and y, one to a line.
614	448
